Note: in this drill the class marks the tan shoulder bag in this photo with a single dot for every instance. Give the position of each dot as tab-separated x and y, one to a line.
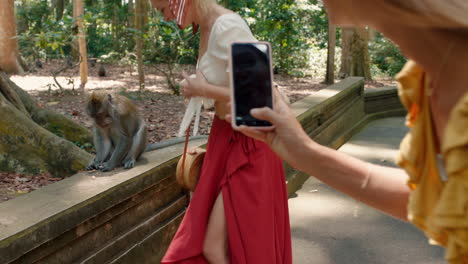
189	166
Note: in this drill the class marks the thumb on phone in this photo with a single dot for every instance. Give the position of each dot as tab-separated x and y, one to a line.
264	113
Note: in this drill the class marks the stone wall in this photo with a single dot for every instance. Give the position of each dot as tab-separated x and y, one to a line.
131	216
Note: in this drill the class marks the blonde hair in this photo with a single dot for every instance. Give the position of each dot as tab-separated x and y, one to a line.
431	13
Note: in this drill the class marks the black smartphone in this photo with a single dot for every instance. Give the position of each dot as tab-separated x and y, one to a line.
251	82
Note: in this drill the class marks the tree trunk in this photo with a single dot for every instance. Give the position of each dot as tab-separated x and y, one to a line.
346	38
330	75
78	12
50	120
361	56
139	21
8	44
115	26
144	12
131	12
26	146
8	92
131	24
355	59
59	8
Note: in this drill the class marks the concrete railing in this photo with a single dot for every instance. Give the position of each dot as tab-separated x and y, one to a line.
131	216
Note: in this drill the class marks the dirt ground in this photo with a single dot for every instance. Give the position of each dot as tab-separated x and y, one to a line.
161	109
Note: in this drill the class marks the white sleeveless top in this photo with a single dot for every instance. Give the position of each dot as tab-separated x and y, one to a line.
214	64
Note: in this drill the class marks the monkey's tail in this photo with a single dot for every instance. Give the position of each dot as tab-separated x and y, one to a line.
170	142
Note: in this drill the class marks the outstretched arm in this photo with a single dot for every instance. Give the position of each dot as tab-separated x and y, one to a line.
380	187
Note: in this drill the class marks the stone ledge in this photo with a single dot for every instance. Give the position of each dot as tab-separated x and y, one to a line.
349	109
324	115
382	99
333	92
167	218
51	211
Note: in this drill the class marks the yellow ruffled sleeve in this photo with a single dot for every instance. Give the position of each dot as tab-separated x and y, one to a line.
450	215
438	207
417	150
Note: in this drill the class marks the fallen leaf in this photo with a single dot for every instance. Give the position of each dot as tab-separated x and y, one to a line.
22	179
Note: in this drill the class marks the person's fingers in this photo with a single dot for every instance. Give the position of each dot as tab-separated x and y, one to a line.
185	92
280	104
185	75
187	80
253	133
264	113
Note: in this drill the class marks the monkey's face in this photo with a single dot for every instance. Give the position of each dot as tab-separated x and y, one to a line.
98	111
103	120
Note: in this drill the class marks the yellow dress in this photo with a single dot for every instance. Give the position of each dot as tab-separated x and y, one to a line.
438	202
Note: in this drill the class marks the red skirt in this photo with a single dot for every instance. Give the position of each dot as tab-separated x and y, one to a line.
252	180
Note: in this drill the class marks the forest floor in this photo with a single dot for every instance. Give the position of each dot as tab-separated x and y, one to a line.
161	109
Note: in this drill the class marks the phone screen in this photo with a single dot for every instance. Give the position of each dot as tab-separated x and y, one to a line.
251	80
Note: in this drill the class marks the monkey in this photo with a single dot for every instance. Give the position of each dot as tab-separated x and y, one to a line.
69	62
102	71
276	70
38	64
120	133
92	62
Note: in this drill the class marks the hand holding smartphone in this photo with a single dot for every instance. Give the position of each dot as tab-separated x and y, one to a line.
251	82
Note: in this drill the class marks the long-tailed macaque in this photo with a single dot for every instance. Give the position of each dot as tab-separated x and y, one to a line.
120	134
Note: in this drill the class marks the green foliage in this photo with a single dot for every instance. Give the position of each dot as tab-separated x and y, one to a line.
32	16
99	36
52	41
318	61
293	27
166	43
317	26
288	44
297	30
288	25
386	56
40	36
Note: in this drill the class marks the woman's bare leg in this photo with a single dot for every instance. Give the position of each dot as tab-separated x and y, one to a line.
215	247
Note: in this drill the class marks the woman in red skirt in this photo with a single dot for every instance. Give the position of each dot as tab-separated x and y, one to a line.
239	211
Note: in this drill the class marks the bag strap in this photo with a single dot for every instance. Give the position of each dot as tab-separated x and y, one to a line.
187	134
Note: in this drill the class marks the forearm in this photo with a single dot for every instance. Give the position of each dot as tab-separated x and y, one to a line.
217	93
381	187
